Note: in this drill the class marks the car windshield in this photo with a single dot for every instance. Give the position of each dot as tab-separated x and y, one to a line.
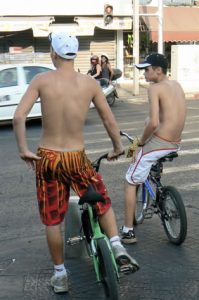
8	77
31	71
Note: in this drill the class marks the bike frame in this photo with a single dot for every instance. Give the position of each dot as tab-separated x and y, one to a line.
97	234
147	186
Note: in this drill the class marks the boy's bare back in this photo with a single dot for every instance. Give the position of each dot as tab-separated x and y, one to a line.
167	108
65	100
171	106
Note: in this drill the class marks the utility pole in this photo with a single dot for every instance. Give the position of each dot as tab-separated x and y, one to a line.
136	52
160	26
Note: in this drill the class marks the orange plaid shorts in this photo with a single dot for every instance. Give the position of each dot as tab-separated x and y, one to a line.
56	173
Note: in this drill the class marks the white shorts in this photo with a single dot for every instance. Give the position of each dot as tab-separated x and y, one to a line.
153	150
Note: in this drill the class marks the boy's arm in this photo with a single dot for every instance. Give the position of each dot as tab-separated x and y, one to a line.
19	122
153	119
109	122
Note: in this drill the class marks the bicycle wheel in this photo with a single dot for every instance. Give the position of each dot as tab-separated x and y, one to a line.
142	202
107	271
174	215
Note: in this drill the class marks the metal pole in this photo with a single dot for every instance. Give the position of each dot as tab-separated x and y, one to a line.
136	52
160	27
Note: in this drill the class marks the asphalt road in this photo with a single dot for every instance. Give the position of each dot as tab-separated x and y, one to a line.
167	272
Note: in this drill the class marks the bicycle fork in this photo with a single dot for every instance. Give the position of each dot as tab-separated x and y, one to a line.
147	192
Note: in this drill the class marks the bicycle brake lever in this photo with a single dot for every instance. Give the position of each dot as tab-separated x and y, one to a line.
127	136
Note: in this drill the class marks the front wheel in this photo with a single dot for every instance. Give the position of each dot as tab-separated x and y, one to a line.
142	202
174	215
111	99
108	274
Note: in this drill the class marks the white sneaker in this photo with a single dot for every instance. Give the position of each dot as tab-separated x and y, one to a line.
59	284
125	262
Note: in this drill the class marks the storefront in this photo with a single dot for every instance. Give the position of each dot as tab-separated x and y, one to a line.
180	26
24	32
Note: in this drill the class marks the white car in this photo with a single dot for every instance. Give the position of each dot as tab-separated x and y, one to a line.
14	80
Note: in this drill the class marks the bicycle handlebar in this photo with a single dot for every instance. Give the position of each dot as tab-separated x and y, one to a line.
122	133
96	163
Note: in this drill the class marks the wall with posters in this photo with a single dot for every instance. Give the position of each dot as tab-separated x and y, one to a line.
185	66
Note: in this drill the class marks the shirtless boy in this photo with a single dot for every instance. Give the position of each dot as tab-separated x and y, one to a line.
161	135
61	161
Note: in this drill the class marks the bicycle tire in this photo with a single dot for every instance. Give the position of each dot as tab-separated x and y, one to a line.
107	271
140	205
87	229
174	215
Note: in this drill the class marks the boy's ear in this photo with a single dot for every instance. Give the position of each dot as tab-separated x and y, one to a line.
159	69
53	53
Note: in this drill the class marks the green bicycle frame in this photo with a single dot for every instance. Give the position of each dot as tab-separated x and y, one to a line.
97	234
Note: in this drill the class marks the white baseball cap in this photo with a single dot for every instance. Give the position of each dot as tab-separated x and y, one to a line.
65	45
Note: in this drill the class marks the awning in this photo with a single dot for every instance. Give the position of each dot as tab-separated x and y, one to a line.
39	25
179	23
73	29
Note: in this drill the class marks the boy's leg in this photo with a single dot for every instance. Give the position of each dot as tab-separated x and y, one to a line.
128	234
59	281
129	204
55	243
108	223
125	262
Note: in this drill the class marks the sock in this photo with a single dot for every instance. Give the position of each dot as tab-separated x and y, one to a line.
60	270
126	229
115	240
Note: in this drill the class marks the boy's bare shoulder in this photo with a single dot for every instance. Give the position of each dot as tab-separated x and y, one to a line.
43	75
85	77
88	80
168	83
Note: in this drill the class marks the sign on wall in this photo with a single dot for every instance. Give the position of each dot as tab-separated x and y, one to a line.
185	66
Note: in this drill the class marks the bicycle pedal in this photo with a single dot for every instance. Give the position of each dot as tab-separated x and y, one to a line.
127	269
74	240
149	213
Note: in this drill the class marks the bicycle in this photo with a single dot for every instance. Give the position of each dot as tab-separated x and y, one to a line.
165	201
97	243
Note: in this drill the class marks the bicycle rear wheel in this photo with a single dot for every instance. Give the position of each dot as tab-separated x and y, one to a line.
107	271
174	215
142	202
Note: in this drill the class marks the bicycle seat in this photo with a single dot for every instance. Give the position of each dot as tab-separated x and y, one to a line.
168	157
91	197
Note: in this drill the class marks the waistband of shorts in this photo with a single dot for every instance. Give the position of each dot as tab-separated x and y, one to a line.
163	139
65	150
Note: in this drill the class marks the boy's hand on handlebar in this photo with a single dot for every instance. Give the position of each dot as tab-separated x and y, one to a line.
132	150
113	155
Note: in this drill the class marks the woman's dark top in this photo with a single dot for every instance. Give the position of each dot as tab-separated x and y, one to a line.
93	71
105	72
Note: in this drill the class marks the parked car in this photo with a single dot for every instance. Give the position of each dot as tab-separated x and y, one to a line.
14	80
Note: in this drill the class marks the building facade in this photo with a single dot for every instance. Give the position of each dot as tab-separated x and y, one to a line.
25	26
